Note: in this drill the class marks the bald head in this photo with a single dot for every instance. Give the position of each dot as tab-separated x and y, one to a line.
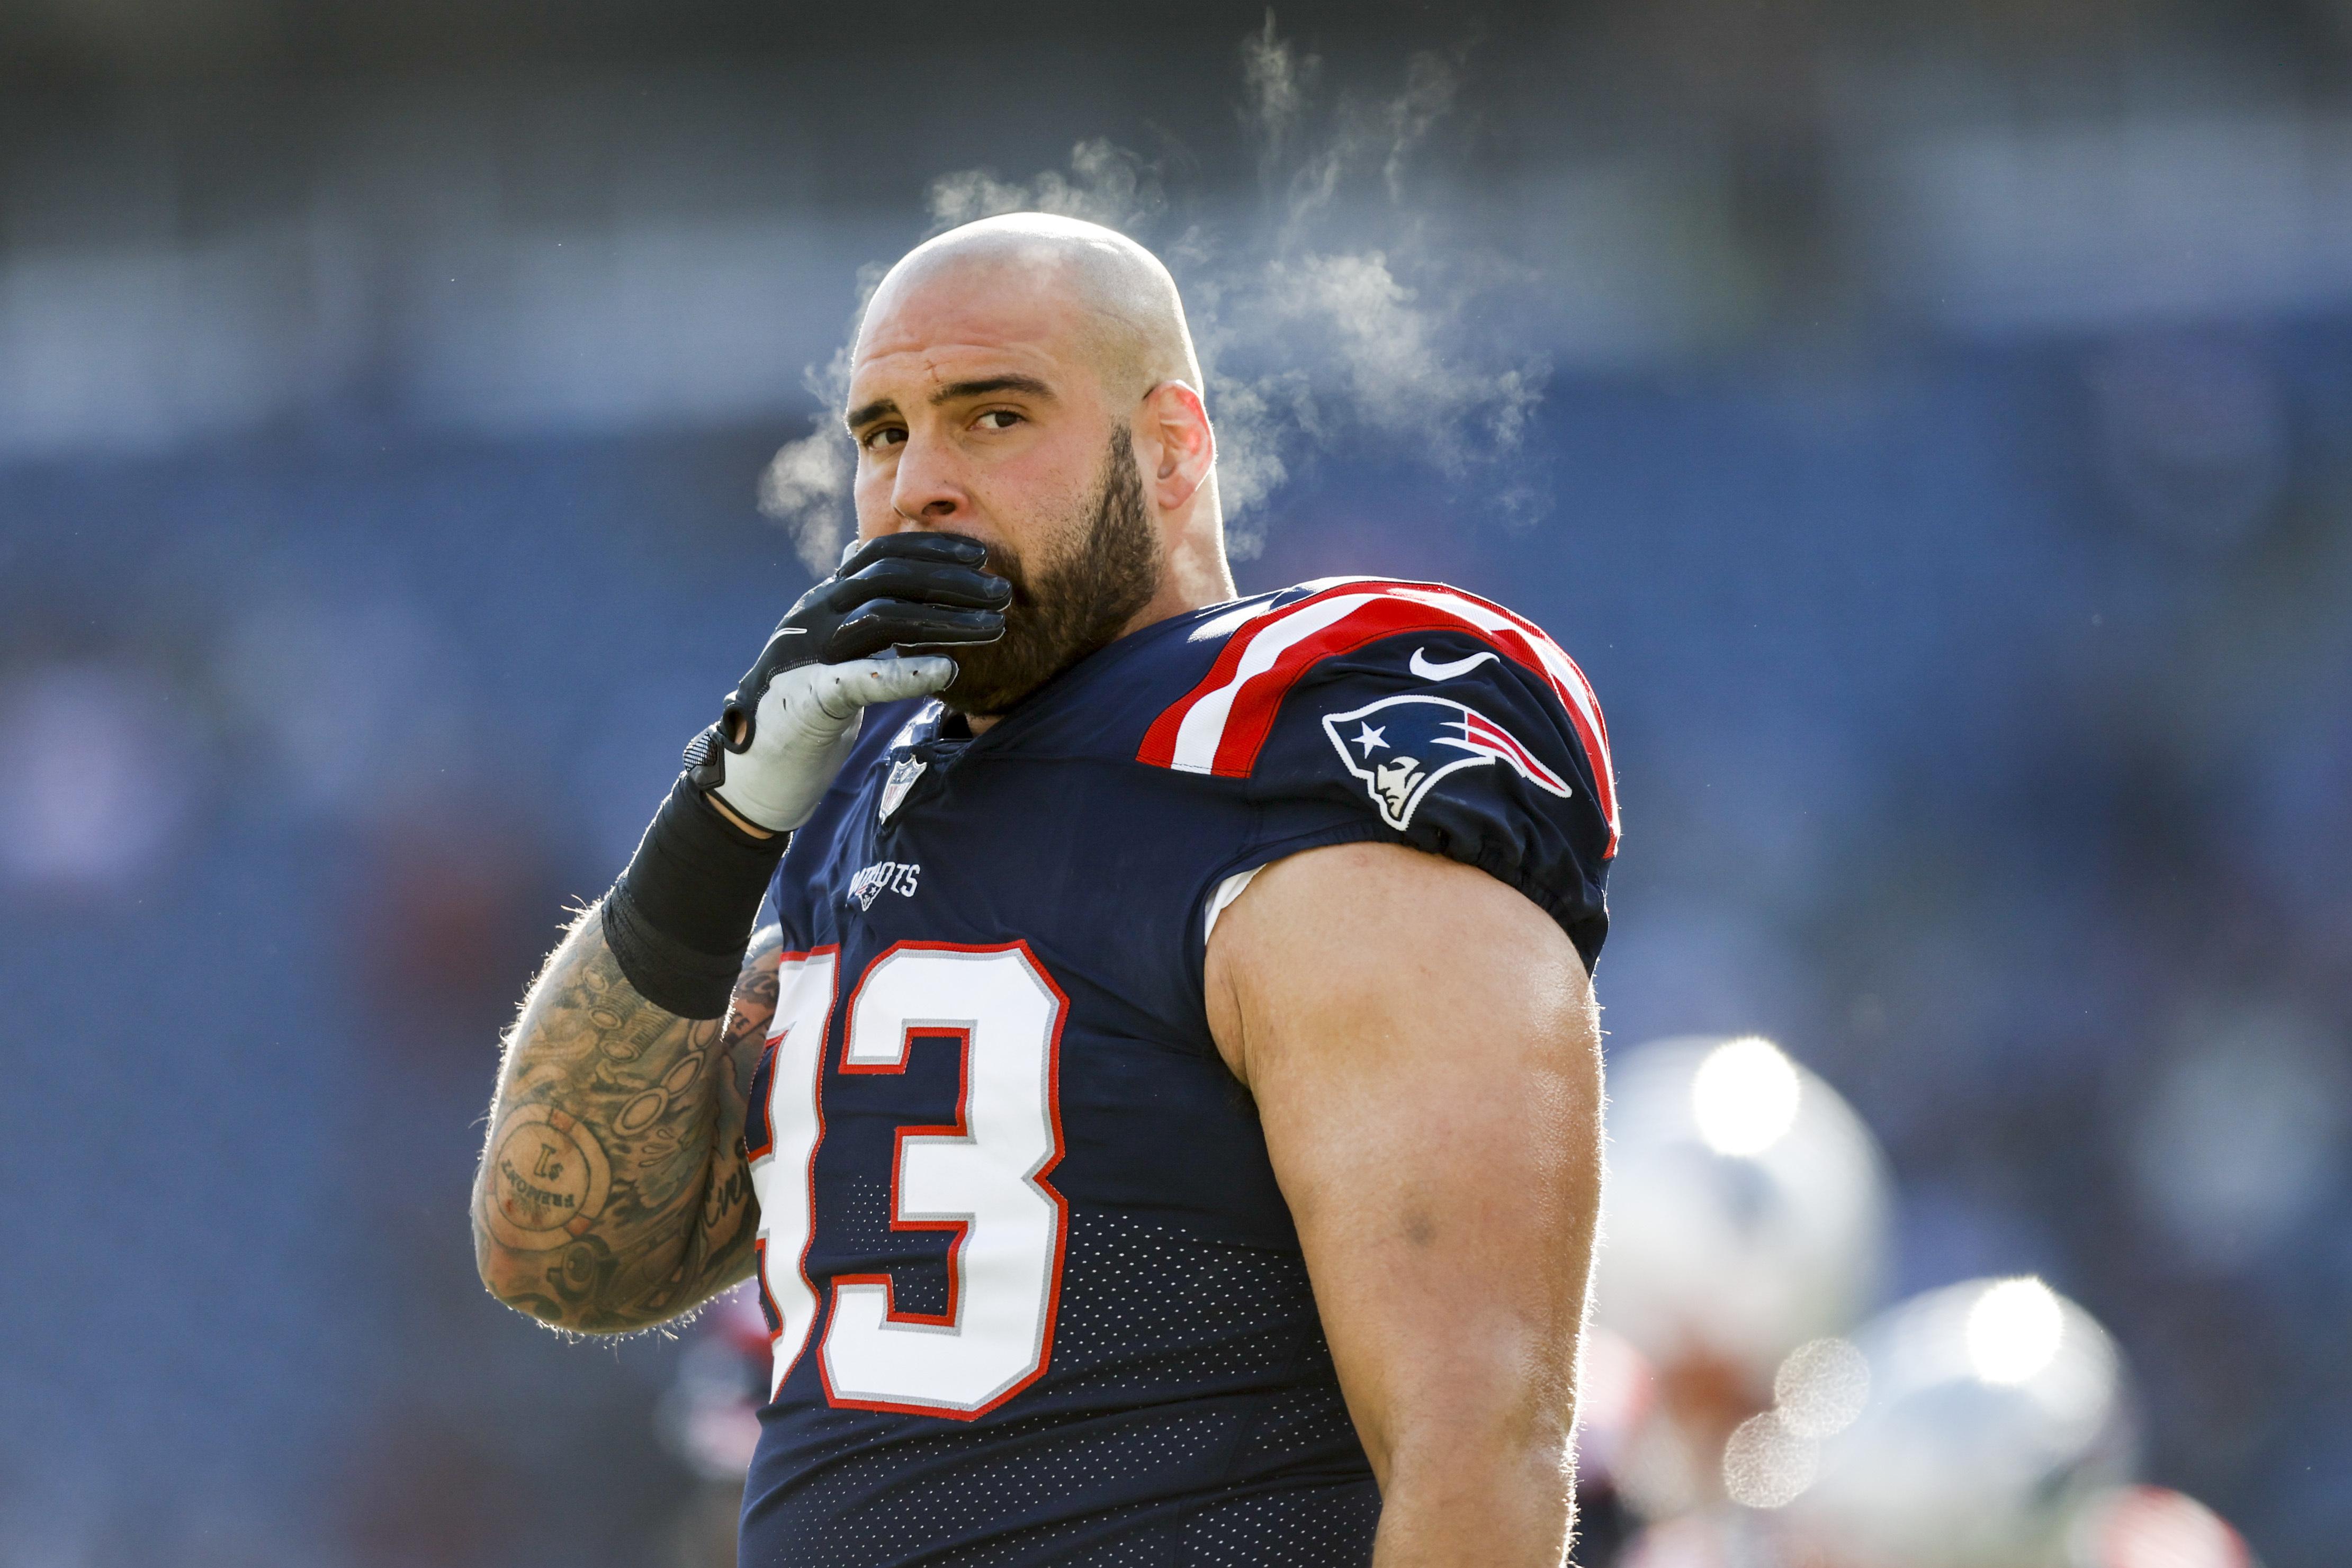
1113	299
1028	380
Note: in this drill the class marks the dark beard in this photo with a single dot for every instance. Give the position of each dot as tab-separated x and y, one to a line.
1078	602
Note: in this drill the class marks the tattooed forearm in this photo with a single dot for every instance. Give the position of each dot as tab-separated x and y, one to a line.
613	1191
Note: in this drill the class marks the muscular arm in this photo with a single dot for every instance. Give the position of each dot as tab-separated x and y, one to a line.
613	1192
1423	1049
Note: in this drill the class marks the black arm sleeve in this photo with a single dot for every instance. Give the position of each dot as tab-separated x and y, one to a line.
680	918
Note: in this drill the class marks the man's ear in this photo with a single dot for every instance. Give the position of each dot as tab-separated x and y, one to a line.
1175	446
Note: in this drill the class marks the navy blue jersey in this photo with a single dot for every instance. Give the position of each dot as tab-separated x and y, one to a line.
1034	1293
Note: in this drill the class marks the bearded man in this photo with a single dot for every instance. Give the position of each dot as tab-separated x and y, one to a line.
1165	1123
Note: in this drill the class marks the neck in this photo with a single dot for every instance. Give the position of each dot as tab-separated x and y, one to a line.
1194	574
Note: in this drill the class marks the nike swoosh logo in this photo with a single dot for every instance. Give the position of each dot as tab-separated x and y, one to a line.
1421	665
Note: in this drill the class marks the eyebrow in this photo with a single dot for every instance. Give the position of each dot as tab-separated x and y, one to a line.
952	393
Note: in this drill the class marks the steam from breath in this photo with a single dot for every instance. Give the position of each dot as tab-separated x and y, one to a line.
1307	345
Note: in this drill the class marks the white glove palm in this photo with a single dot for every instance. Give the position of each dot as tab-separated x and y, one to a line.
807	720
788	728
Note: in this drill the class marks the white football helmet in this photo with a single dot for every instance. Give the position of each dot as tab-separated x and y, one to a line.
1746	1208
1993	1408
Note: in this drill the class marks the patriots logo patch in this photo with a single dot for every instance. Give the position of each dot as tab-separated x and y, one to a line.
1400	747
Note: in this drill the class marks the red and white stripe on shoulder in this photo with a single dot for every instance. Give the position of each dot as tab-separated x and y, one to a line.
1220	723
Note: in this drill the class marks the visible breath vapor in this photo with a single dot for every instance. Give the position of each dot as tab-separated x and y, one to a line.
806	485
1306	344
1107	185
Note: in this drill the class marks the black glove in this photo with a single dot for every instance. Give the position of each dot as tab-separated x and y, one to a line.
678	919
786	732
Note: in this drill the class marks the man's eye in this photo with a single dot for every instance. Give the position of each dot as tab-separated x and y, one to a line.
889	435
1006	415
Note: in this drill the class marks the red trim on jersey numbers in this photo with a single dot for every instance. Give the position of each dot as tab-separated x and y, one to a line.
959	1229
769	1315
763	1100
975	1339
764	1083
760	1113
763	1079
1222	724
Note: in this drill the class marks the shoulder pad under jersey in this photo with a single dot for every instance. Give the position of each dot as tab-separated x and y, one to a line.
1366	708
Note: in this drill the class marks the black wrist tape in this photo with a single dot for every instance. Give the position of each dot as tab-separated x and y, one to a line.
680	917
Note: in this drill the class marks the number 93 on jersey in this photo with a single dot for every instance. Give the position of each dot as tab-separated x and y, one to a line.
981	1178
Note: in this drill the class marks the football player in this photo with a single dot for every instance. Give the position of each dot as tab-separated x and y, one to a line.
1165	1125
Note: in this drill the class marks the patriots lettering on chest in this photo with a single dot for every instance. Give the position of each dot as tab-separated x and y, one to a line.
901	877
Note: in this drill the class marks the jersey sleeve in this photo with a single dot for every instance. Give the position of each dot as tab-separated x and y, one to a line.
1415	714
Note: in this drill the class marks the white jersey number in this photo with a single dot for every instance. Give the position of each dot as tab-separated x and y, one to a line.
982	1178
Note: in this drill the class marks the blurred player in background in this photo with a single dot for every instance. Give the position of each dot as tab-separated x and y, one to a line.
1740	1412
1165	1127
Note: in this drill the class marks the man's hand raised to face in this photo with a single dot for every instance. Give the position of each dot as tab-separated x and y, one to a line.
791	721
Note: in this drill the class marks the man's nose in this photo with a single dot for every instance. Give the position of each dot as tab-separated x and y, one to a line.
926	488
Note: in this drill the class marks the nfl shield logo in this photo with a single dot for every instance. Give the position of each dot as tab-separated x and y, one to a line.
903	774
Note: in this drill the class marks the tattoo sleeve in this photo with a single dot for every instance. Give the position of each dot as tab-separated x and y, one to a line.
613	1191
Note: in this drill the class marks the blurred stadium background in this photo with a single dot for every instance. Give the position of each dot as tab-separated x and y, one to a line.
1930	425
